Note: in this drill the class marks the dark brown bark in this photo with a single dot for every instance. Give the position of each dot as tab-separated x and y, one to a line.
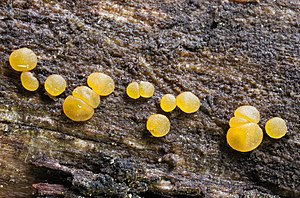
228	54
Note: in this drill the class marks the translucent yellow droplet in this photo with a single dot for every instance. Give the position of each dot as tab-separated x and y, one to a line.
29	82
247	112
244	138
188	102
76	109
55	85
158	125
23	59
146	89
168	102
101	83
133	90
87	95
276	127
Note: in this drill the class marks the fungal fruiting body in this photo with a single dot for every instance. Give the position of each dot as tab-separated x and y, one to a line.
168	102
76	109
248	112
55	85
158	125
87	95
101	83
146	89
188	102
29	82
245	138
244	134
133	90
276	128
23	59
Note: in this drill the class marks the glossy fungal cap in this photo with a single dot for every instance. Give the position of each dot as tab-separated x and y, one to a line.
55	85
29	82
101	83
87	95
168	102
244	138
158	125
247	112
188	102
23	59
236	121
76	109
276	128
146	89
133	90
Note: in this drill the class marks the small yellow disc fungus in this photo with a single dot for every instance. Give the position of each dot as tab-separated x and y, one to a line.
168	102
76	109
23	59
236	121
133	90
87	95
276	127
188	102
247	112
55	85
146	89
158	125
101	83
245	138
29	82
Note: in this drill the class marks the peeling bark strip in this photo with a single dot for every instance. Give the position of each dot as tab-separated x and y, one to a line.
228	54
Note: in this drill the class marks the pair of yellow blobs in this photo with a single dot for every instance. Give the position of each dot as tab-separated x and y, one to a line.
80	106
24	60
245	135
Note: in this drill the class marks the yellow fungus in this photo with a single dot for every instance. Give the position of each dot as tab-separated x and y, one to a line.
87	95
276	127
55	85
168	102
236	121
76	109
245	138
188	102
29	82
133	90
101	83
146	89
247	112
23	59
158	125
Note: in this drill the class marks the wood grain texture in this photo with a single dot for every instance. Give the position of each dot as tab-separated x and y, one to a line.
228	54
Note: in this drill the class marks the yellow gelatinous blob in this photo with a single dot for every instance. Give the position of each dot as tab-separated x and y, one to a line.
244	138
55	85
236	121
29	82
146	89
247	112
168	102
101	83
133	90
276	127
76	109
158	125
87	95
188	102
23	59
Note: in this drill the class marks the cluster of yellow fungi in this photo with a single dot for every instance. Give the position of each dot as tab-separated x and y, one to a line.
245	135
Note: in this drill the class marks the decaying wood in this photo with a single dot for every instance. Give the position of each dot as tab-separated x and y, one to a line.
228	54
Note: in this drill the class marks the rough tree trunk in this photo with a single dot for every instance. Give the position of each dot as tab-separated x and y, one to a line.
228	53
